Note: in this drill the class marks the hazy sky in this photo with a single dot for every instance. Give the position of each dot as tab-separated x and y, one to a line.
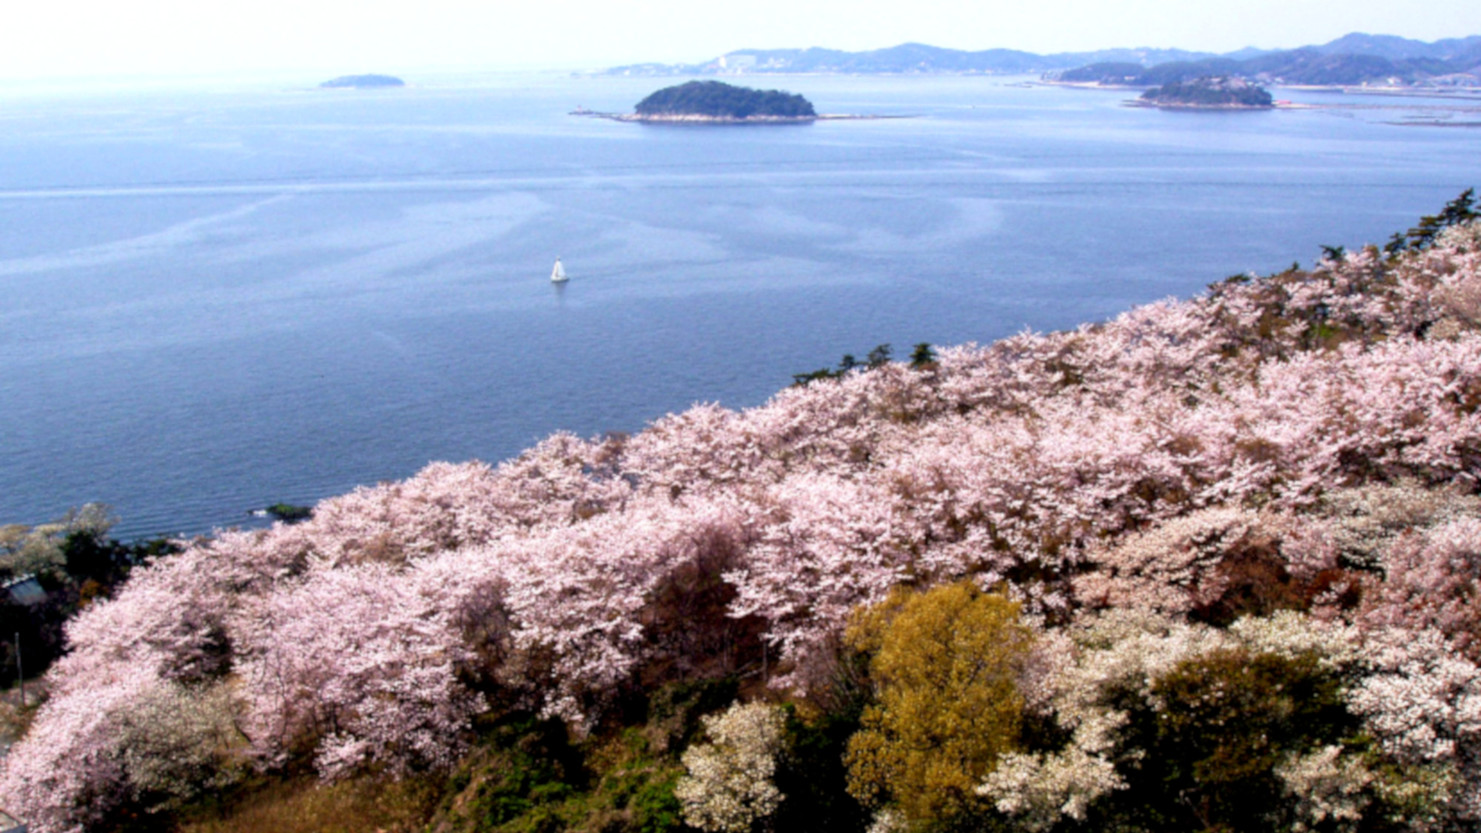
48	38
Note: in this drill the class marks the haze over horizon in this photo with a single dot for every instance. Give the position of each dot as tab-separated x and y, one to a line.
104	40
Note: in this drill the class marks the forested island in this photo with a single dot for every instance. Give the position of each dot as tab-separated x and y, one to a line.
1208	94
1211	565
717	99
369	81
715	102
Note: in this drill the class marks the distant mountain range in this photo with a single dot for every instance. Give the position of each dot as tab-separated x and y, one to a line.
1396	48
905	58
1351	59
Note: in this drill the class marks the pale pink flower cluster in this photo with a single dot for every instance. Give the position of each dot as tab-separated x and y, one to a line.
1422	700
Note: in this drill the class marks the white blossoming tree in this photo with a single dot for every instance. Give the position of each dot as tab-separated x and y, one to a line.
729	786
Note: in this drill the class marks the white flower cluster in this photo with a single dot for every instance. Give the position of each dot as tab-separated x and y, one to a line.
1039	790
179	742
728	786
1289	634
888	820
1423	702
1325	785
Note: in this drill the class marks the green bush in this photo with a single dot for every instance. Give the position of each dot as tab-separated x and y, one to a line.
1202	755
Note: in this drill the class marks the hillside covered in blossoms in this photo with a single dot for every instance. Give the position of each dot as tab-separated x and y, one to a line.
1211	565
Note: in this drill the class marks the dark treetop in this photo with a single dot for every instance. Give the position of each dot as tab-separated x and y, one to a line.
719	100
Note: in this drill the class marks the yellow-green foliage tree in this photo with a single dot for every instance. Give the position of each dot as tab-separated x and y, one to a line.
944	667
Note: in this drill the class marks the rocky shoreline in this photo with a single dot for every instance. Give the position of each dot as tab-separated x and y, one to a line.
1169	105
674	118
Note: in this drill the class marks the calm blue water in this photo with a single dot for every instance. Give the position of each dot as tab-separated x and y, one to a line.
212	301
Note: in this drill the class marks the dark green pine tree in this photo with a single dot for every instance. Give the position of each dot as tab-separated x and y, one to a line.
1459	210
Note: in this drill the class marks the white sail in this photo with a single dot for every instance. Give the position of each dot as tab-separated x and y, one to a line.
558	274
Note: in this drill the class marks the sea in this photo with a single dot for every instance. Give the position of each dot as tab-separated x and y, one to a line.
219	296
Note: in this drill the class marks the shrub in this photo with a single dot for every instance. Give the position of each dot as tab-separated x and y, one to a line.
1218	728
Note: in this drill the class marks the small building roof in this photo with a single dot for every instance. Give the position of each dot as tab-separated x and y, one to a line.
24	590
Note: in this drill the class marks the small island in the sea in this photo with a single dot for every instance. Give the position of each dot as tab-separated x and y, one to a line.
715	102
1208	93
364	81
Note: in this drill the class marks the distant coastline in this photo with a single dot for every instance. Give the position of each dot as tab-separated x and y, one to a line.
1349	89
1454	93
1354	64
1436	123
1459	100
1354	60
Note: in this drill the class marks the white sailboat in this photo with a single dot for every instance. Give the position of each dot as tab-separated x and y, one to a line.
558	274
